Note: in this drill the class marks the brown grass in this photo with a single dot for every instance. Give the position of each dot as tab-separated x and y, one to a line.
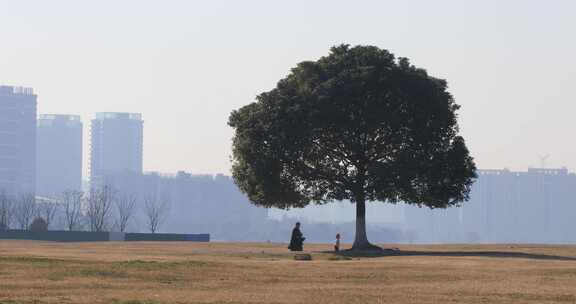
152	273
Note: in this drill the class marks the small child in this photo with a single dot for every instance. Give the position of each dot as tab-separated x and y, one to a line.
337	246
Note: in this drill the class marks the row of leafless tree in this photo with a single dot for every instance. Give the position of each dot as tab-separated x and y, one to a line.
21	210
100	210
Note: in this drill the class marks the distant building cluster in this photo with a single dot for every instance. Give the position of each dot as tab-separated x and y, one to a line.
42	155
197	202
535	206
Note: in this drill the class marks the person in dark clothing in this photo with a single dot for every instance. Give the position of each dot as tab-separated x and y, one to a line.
297	239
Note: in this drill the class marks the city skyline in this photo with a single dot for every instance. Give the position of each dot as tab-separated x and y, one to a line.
185	65
99	116
326	151
116	160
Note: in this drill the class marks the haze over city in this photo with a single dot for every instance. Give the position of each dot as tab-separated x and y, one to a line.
185	65
294	152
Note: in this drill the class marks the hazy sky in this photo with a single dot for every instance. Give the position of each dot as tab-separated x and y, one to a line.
186	64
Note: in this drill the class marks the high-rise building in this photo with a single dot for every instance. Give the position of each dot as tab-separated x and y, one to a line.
116	145
17	140
59	154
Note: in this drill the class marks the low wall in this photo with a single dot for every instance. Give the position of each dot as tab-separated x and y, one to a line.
87	236
172	237
60	236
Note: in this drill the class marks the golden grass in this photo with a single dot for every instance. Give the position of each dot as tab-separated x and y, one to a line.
152	273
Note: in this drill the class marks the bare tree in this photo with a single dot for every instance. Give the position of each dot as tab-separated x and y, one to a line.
25	210
99	207
72	205
125	207
6	211
47	210
156	211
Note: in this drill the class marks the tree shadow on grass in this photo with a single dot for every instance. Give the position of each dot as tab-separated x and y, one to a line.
427	253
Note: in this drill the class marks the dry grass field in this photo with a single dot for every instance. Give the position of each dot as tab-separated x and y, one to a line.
133	273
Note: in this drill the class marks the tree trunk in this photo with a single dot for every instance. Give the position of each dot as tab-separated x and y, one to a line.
361	240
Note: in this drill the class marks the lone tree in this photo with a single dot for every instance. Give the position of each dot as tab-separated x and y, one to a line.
72	206
125	208
25	209
156	211
99	207
358	124
6	210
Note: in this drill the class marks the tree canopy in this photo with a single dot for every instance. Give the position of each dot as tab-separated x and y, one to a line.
357	124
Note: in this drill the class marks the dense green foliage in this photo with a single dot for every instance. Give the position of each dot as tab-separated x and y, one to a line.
358	124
